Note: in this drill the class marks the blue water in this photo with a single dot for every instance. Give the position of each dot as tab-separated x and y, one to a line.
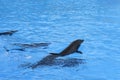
60	22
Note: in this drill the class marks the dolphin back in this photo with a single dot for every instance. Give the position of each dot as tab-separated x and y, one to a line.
54	53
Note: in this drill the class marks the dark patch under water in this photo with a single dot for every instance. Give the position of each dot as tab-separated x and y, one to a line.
69	62
32	45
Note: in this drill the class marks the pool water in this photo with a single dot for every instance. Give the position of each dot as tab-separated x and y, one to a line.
60	22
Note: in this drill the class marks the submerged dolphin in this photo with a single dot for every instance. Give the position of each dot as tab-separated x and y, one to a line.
73	47
8	32
48	60
32	45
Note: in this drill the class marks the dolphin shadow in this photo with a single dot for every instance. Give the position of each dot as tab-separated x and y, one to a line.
51	60
69	62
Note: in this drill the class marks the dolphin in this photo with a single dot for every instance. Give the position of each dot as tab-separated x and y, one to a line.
32	45
49	60
8	32
73	47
